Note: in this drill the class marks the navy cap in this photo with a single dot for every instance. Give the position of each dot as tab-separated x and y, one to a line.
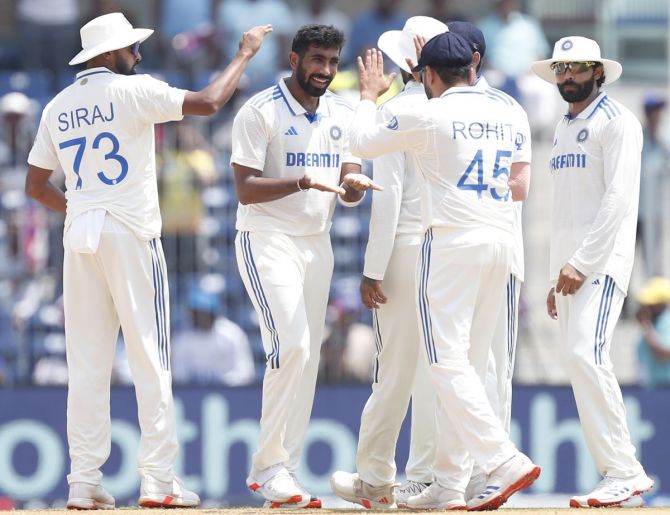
653	100
446	49
471	33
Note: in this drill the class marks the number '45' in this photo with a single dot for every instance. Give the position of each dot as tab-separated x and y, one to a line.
477	164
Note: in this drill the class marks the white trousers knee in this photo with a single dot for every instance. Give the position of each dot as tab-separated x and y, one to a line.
400	371
587	320
123	284
462	278
287	279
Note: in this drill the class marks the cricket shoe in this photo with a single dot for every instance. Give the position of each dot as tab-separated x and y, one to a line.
436	497
476	486
85	496
353	489
277	486
613	491
311	502
314	501
308	500
407	490
166	494
515	474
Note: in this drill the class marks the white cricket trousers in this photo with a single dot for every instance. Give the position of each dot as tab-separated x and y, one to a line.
461	283
123	284
504	352
587	320
288	280
400	371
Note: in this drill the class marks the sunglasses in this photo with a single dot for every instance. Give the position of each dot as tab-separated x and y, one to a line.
135	49
574	66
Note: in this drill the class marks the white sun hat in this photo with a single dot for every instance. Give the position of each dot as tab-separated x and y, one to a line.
107	33
398	45
576	49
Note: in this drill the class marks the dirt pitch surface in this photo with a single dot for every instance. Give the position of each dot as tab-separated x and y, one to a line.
254	510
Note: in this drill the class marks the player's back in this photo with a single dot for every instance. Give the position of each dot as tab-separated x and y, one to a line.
478	135
100	130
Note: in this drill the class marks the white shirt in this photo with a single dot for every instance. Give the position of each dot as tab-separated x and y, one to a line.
595	163
101	131
395	218
517	265
464	143
273	133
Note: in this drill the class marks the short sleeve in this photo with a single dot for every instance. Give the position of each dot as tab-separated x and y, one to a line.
250	138
157	101
43	154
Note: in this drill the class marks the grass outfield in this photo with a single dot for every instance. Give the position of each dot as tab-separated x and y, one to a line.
250	511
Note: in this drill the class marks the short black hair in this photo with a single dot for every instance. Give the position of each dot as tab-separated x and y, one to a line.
451	75
321	36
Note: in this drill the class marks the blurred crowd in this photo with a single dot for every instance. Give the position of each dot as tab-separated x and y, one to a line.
215	333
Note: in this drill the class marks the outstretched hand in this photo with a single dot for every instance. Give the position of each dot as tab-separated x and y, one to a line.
360	182
371	80
252	40
309	182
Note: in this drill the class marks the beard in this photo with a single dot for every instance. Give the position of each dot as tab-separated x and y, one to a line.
125	68
129	71
581	92
303	81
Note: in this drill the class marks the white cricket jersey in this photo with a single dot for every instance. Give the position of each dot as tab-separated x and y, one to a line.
395	218
595	163
517	265
101	132
273	133
464	143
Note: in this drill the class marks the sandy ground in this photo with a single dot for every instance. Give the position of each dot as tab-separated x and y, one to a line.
249	511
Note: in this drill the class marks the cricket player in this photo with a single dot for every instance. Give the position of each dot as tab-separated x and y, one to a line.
498	380
473	165
595	164
291	161
100	130
400	371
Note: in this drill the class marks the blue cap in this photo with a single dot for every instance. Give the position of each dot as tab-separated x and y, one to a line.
653	100
471	33
201	300
446	49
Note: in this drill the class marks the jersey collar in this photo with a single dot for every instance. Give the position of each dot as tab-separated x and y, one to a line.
91	71
296	108
586	113
460	89
412	84
481	83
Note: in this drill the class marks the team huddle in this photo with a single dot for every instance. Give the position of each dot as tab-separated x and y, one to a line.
451	168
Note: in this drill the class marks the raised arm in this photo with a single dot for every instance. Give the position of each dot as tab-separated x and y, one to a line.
214	96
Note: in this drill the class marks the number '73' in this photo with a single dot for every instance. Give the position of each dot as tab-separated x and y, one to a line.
111	155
